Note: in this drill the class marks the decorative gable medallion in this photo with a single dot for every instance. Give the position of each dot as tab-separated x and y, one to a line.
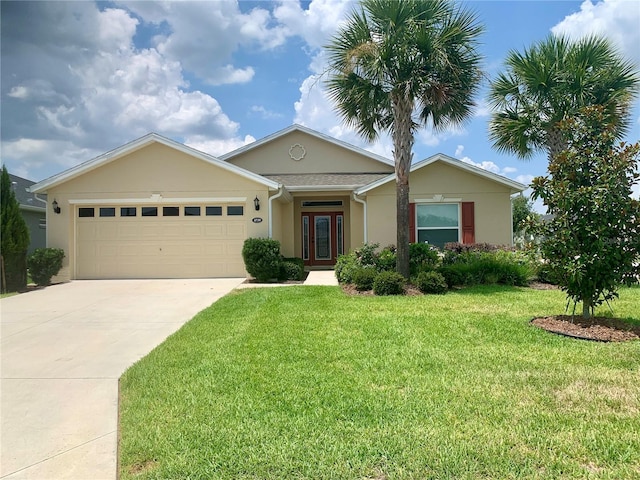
297	152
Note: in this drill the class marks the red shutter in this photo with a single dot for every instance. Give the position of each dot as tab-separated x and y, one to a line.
412	222
468	223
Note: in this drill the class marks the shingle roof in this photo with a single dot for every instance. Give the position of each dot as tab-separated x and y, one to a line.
345	180
23	195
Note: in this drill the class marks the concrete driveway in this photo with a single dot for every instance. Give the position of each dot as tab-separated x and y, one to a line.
63	349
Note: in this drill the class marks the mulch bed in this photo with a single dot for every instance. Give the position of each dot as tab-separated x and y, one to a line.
602	329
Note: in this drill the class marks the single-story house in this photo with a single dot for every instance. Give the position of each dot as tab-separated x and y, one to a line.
155	208
33	209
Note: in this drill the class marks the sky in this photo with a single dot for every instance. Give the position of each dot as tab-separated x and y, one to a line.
81	78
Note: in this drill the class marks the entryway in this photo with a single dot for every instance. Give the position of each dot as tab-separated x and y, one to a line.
322	237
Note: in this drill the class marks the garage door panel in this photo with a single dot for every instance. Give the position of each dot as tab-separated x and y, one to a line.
159	247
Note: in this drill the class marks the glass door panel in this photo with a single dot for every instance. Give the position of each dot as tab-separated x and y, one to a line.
322	237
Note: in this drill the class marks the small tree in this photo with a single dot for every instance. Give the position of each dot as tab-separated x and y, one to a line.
593	240
523	215
14	240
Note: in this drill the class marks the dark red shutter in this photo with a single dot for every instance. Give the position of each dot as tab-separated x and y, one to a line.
468	223
412	222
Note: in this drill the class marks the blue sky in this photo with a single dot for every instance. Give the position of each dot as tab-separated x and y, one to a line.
81	78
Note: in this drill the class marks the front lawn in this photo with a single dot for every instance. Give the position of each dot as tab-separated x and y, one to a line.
308	383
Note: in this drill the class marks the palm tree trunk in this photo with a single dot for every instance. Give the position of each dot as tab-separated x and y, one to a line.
555	143
402	134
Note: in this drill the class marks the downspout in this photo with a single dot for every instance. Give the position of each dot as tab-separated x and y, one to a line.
364	207
271	199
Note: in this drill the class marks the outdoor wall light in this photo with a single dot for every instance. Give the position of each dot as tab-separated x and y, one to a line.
55	206
256	203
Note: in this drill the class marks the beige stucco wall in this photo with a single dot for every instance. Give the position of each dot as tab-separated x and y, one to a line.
153	170
321	157
492	202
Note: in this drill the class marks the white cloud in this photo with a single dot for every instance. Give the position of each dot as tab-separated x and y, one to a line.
77	87
204	36
263	113
459	150
486	165
217	147
616	19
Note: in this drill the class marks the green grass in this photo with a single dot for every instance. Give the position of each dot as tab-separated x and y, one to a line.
307	383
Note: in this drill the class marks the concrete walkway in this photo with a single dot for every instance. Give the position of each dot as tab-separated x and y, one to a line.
63	349
321	277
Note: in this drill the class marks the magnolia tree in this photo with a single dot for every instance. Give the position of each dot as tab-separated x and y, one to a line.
592	243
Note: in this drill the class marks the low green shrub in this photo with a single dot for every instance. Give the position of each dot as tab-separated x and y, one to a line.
431	282
422	257
386	259
346	266
366	255
364	277
486	267
389	283
44	263
291	269
262	258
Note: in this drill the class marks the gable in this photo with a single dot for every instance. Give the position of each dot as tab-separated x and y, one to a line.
153	168
443	174
297	152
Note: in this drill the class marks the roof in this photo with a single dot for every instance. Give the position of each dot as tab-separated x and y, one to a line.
512	184
326	181
26	199
142	142
300	128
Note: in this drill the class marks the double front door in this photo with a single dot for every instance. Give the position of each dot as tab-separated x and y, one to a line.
322	237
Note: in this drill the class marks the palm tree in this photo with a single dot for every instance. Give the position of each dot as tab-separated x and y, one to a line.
551	82
396	66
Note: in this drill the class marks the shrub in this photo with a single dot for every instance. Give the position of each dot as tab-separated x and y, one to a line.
44	263
291	269
431	282
366	254
486	267
422	256
346	266
262	258
389	283
364	277
386	259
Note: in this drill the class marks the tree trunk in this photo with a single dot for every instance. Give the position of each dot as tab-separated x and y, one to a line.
402	134
555	143
586	308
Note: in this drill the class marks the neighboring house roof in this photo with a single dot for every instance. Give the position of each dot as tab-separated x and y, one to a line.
300	128
512	184
141	143
26	199
326	181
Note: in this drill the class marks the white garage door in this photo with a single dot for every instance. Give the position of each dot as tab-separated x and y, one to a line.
160	241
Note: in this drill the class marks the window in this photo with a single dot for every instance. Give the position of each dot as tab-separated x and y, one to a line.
170	211
149	211
320	203
305	238
107	211
128	211
191	211
438	223
84	212
340	234
235	210
214	211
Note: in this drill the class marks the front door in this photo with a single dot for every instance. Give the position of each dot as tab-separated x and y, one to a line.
322	237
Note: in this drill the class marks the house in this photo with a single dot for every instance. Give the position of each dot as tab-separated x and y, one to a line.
155	208
33	209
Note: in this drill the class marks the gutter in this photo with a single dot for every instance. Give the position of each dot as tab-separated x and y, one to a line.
364	206
280	193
